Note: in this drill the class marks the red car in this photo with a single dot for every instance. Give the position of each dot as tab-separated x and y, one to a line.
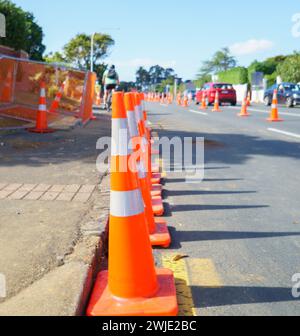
227	93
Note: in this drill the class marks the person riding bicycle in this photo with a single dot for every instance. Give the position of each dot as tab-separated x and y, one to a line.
110	81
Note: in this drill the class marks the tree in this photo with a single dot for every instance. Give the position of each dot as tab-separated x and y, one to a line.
22	32
78	51
127	86
221	61
55	57
267	67
157	74
142	77
202	80
289	70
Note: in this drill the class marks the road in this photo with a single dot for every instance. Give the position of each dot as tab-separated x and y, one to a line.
240	227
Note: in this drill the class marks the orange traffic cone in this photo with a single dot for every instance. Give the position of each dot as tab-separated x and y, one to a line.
244	112
6	96
274	113
57	99
159	234
249	99
158	230
156	190
132	286
185	102
41	121
203	102
217	103
98	99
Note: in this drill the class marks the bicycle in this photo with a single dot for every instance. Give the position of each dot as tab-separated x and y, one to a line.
109	101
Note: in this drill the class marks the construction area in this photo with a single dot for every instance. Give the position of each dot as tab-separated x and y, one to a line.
136	182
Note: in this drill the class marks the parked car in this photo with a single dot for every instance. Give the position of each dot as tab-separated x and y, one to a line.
288	94
227	93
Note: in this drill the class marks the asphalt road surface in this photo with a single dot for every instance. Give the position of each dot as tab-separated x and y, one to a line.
240	227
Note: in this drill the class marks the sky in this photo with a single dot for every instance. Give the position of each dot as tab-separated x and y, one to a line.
178	35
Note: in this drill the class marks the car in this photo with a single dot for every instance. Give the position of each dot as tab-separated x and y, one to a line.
227	93
288	94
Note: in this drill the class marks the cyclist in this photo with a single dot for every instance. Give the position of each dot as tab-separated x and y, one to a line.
110	81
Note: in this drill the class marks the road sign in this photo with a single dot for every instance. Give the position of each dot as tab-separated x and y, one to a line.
2	26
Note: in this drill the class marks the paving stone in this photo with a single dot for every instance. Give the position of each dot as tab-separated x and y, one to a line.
82	197
18	195
4	194
42	188
57	188
13	187
66	197
2	185
87	189
72	188
50	196
27	187
34	196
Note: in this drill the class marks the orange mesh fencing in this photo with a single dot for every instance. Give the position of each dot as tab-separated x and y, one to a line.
86	112
20	89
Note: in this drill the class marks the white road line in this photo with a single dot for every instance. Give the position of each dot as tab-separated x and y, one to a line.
268	112
198	112
284	133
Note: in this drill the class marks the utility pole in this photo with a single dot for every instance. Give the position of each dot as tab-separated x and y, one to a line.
175	86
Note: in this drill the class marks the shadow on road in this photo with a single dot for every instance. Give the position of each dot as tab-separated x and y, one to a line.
205	297
183	180
201	236
204	207
242	147
171	193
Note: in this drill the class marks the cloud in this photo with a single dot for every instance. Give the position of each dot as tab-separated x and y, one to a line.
250	47
144	62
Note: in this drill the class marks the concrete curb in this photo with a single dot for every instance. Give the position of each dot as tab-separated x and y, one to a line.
92	272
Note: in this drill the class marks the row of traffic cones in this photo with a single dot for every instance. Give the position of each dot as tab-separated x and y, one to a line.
132	286
185	102
274	116
159	98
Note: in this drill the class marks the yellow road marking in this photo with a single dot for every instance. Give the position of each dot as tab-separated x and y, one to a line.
188	273
202	273
184	293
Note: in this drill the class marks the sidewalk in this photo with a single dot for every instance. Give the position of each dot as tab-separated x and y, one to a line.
53	212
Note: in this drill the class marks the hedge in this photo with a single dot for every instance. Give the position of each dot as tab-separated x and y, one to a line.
238	75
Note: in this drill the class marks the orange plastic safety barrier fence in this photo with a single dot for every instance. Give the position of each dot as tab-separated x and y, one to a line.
20	89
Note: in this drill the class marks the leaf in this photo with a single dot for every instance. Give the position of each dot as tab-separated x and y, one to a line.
180	257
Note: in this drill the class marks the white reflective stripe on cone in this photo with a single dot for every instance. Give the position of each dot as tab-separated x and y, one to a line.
137	114
133	129
42	108
274	106
141	114
120	138
126	203
43	93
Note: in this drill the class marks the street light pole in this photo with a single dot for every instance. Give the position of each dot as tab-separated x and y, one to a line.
92	52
